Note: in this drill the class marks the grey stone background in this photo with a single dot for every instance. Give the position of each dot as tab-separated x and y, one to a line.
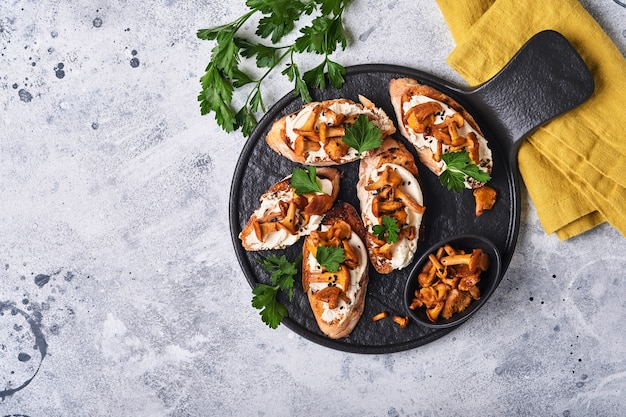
120	292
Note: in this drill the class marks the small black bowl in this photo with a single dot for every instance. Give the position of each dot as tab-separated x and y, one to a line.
488	280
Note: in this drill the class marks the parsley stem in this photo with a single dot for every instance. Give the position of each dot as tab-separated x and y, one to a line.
237	24
257	83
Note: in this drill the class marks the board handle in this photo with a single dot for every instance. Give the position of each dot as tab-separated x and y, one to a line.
546	78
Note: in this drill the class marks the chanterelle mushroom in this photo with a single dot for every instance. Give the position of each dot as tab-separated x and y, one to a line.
475	260
485	198
449	281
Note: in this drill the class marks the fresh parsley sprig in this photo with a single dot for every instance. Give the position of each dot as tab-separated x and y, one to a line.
330	257
458	165
265	296
363	135
388	230
264	299
305	181
223	75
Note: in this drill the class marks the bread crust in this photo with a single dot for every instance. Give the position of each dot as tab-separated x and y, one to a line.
393	152
401	90
342	327
334	175
278	140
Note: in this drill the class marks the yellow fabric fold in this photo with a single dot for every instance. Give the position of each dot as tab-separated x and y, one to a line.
574	167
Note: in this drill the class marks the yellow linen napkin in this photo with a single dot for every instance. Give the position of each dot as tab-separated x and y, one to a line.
574	167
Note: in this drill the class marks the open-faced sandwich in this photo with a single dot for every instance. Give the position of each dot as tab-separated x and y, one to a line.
334	271
314	134
291	208
391	205
437	125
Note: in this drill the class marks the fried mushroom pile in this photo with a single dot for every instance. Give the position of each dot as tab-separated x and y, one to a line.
449	282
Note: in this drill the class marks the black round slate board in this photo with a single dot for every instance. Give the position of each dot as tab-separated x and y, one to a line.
546	78
447	214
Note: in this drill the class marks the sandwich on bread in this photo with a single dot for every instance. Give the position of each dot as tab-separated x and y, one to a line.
284	216
336	292
391	205
437	124
313	135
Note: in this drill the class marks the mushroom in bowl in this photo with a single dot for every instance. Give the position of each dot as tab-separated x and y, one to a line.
452	280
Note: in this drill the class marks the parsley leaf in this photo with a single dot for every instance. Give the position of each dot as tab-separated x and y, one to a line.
458	166
336	73
333	6
275	27
282	270
305	181
322	36
224	74
300	88
217	91
246	120
330	257
280	17
389	227
363	135
226	53
316	77
265	296
272	311
265	55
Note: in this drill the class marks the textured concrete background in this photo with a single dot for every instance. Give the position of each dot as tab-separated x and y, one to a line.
120	293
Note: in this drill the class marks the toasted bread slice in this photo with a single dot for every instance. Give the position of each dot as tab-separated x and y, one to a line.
389	191
283	216
313	134
435	124
337	298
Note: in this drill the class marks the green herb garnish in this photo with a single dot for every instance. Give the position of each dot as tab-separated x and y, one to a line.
363	135
264	299
458	165
224	73
265	296
330	257
305	181
388	230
